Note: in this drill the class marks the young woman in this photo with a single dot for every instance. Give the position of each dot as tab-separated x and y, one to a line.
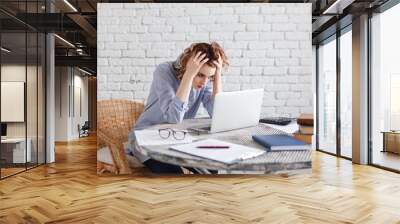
178	89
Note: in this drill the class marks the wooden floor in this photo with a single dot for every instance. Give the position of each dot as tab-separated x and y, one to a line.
386	159
5	172
10	171
69	191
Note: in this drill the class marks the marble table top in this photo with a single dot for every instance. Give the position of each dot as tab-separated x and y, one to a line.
266	163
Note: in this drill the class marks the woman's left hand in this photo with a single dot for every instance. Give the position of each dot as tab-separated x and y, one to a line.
217	86
218	63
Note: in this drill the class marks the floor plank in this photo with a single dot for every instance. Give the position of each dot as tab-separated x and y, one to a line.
69	191
386	159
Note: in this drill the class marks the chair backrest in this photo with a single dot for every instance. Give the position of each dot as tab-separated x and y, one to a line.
117	117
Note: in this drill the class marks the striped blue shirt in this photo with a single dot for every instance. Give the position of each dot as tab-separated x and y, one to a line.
163	106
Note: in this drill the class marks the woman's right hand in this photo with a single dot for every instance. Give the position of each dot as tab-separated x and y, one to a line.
194	64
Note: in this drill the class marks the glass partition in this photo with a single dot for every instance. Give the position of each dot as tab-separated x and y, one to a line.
346	93
31	98
41	96
385	89
13	94
327	96
22	77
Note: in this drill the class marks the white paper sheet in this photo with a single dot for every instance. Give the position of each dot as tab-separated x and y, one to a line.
151	137
290	128
233	154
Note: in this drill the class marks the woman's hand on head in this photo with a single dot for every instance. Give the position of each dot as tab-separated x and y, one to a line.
218	64
217	85
194	64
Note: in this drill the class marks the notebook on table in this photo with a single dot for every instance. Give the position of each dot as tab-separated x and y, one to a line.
235	153
280	143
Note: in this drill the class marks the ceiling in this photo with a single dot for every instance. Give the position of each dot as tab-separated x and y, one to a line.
76	22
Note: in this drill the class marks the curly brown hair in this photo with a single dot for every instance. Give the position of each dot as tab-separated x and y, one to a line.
213	51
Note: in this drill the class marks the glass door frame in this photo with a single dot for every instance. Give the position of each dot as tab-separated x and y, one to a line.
387	5
336	38
30	29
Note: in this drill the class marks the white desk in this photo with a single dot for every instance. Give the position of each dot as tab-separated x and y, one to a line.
17	145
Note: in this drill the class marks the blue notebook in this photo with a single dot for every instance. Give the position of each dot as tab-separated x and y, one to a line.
280	143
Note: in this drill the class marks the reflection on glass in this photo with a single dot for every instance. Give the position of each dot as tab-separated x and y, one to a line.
385	88
13	85
31	97
22	89
41	98
327	97
346	94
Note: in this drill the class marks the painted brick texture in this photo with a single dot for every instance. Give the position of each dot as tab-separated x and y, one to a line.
269	46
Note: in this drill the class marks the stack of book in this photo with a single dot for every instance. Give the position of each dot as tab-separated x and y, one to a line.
280	143
306	128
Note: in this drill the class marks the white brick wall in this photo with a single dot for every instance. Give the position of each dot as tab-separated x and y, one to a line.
269	46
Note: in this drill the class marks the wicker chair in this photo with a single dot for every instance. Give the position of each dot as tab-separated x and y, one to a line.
115	119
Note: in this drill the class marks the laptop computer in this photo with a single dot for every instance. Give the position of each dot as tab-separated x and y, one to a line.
234	110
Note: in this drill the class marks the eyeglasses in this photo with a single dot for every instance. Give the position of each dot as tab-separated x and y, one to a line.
177	134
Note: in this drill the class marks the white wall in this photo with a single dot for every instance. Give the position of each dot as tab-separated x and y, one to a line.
61	103
67	80
80	83
269	46
12	73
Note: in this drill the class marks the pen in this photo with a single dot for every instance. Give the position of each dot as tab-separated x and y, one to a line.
213	146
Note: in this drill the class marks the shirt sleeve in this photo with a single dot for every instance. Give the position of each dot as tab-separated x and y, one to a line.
208	99
172	107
